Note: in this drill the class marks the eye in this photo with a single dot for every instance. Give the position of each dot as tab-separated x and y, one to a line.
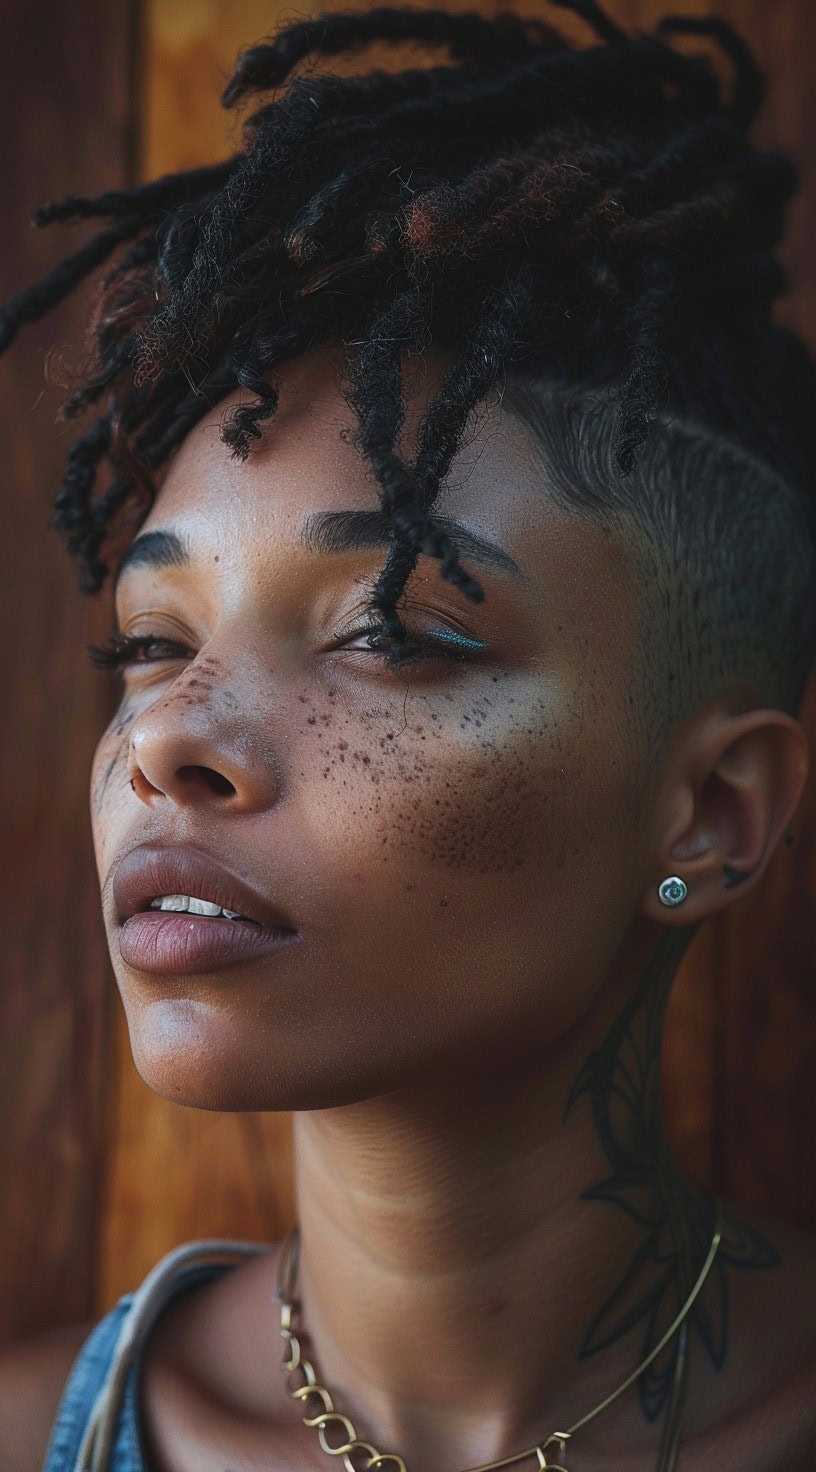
418	647
119	650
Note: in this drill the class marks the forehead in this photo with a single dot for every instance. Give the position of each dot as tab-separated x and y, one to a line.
307	457
307	462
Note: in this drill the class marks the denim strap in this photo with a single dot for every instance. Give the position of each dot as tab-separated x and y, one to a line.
159	1287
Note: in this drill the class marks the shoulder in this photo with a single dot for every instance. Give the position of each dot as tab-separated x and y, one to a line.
44	1375
33	1374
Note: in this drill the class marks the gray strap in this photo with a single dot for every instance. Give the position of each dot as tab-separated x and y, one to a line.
148	1301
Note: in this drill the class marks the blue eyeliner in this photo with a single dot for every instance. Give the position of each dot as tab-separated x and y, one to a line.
449	636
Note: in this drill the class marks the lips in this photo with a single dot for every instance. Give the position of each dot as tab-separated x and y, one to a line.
148	872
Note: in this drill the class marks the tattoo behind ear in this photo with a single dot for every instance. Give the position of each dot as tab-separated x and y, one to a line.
676	1218
734	877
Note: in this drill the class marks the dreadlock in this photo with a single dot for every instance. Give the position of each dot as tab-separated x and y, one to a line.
592	217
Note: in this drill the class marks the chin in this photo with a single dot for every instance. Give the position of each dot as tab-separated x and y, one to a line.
189	1053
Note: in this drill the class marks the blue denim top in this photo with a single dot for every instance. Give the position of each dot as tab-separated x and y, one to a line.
97	1425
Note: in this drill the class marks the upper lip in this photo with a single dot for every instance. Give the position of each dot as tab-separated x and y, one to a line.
147	872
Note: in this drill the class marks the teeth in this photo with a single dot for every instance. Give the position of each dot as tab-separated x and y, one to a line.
202	907
193	906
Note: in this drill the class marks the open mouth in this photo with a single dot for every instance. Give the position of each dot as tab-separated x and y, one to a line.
176	934
181	911
188	904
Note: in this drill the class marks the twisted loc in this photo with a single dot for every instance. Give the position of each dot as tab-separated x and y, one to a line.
528	204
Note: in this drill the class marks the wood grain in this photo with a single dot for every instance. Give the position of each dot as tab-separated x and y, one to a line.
66	125
176	1174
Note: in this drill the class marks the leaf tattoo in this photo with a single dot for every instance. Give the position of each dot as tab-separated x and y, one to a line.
622	1082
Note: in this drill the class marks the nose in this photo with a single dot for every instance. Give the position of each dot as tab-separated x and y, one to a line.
201	754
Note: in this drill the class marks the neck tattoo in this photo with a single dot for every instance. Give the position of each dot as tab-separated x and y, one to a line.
688	1241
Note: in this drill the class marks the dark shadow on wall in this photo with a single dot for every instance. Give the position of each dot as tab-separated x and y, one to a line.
67	76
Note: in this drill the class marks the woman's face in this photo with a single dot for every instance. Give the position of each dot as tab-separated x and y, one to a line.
459	843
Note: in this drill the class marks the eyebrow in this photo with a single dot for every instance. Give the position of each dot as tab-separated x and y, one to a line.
352	531
326	531
154	549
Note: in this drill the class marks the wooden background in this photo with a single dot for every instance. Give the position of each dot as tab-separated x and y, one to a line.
66	119
98	1177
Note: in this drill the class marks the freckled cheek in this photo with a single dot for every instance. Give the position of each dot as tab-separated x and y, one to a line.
109	786
470	788
486	787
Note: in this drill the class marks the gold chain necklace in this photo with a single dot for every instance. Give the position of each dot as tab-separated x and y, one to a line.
361	1456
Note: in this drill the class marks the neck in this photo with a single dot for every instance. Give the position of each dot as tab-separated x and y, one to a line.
461	1265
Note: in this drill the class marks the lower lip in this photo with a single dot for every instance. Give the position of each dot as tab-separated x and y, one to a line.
175	943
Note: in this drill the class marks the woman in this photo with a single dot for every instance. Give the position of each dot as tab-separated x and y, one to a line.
458	490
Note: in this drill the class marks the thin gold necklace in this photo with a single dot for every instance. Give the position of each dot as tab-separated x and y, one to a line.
361	1456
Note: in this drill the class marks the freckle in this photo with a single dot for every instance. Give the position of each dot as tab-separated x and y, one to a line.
312	721
342	746
216	558
443	903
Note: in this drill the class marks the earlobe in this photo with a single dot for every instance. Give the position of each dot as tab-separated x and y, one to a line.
735	784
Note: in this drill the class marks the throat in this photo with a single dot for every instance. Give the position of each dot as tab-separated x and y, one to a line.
450	1274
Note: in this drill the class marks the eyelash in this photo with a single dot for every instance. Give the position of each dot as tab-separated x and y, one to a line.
120	650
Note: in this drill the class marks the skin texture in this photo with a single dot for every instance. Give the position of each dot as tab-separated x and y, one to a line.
470	851
428	804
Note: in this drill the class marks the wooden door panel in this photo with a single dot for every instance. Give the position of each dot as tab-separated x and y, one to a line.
67	125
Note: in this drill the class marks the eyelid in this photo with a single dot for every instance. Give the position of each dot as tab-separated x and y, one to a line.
436	634
428	620
181	632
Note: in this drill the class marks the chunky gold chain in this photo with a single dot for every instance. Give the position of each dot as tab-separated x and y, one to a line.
319	1411
361	1456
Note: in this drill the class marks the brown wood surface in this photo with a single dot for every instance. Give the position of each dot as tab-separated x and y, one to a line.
742	1033
65	125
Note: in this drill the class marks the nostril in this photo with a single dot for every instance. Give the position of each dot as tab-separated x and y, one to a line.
214	780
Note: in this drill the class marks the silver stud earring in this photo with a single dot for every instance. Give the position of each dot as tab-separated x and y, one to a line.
673	890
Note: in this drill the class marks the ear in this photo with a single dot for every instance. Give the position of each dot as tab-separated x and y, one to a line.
732	785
